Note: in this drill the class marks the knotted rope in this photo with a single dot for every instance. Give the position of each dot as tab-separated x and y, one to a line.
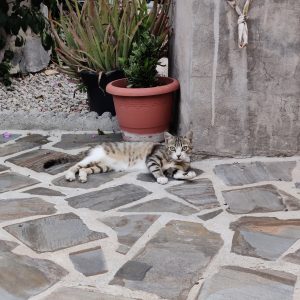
242	21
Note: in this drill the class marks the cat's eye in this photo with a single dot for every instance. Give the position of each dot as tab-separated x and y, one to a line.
184	148
172	148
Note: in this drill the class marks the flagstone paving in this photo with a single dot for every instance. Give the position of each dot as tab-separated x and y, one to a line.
265	198
3	168
129	229
109	198
12	209
199	192
239	174
24	143
210	215
10	181
22	276
53	233
83	294
6	137
267	238
231	233
89	262
75	141
171	261
237	283
162	205
293	257
44	192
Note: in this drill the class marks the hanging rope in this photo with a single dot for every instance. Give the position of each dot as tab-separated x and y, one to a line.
242	21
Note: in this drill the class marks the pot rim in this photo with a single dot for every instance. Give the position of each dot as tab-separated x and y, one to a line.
115	88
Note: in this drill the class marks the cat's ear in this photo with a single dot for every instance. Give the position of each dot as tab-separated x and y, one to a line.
189	135
167	136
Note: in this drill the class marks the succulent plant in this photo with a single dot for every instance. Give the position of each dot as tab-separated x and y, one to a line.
98	35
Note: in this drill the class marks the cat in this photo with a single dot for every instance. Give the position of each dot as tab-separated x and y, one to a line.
171	158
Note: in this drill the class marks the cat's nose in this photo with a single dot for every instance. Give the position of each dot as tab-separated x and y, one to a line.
178	155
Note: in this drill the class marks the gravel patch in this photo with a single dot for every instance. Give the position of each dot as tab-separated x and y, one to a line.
43	93
47	102
57	121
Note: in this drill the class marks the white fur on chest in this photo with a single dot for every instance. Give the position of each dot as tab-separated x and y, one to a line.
168	165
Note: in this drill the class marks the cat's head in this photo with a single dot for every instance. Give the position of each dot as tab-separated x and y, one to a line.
179	148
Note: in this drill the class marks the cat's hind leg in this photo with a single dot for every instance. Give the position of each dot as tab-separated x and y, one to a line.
95	155
96	168
70	174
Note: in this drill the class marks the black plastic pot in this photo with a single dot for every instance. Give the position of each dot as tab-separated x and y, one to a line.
99	101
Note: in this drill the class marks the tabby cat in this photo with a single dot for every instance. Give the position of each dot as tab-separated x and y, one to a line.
172	158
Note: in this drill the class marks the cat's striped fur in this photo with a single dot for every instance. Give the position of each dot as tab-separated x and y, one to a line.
172	157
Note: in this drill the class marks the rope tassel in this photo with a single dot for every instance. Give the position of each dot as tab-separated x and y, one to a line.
242	21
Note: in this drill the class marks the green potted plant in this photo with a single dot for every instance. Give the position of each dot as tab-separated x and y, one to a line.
91	39
143	100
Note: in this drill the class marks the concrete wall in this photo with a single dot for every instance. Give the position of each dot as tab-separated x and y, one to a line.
238	101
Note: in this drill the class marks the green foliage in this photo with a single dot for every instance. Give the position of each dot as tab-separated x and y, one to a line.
98	35
21	17
140	69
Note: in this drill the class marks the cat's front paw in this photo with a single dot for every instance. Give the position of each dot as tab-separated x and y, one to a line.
70	176
190	174
162	180
82	179
185	175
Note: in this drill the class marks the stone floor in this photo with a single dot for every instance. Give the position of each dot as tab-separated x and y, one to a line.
233	233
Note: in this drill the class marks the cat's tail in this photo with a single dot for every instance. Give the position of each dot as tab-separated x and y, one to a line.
59	161
64	159
70	175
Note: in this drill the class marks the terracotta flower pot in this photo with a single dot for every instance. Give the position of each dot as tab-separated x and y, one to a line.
143	113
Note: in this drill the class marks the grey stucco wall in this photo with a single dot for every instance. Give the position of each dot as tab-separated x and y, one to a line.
238	101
